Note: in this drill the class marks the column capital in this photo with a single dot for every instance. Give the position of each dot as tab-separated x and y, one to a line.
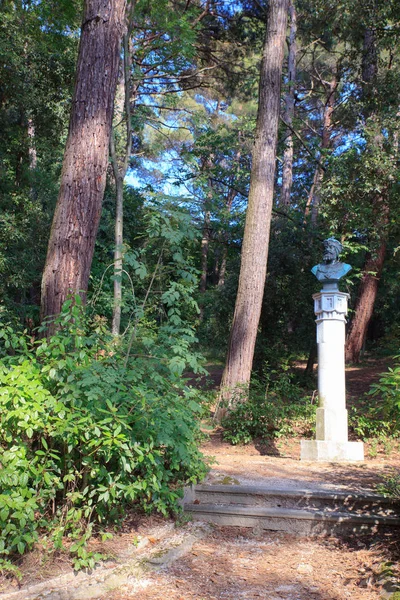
330	305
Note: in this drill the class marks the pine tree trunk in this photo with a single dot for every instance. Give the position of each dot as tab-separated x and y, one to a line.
122	113
119	240
287	170
258	217
374	265
365	305
83	177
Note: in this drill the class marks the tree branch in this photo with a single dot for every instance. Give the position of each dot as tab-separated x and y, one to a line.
303	144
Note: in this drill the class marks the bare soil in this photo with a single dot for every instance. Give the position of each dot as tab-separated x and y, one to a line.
236	564
277	463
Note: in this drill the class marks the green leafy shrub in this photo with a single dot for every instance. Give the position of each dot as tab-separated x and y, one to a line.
86	431
387	390
279	411
369	421
391	486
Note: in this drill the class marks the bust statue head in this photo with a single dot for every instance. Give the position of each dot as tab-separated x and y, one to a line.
332	249
331	269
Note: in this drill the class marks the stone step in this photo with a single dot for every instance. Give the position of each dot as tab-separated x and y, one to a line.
303	522
325	500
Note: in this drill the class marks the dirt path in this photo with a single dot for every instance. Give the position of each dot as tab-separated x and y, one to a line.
277	462
233	564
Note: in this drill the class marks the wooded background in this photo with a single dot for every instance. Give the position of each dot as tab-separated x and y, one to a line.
160	100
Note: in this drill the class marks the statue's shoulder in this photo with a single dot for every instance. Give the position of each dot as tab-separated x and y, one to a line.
346	268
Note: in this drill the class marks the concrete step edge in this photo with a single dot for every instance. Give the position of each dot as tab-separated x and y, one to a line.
293	493
288	513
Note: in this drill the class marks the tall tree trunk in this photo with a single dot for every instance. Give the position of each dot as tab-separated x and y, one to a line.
222	269
205	242
83	177
119	240
365	305
313	200
119	171
231	195
374	264
312	359
258	217
32	145
287	170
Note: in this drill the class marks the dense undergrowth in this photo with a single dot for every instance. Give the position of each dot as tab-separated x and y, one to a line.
280	405
277	406
87	430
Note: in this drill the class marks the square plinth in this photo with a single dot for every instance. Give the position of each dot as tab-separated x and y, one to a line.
314	450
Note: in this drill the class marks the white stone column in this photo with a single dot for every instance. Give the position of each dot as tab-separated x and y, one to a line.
331	443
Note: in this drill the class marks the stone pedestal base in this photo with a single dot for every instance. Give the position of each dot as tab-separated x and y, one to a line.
331	451
331	424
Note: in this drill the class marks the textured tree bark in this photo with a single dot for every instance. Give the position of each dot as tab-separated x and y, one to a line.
83	177
374	264
222	269
287	170
258	217
365	305
32	145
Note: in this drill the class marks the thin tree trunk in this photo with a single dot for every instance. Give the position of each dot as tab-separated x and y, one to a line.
205	242
119	176
231	195
258	217
32	145
222	269
119	240
83	177
365	306
287	170
313	194
313	200
312	358
369	60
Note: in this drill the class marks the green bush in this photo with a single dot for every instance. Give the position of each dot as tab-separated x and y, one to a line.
391	486
85	432
369	421
387	390
277	411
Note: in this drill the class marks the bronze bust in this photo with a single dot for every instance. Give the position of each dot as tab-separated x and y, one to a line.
331	270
